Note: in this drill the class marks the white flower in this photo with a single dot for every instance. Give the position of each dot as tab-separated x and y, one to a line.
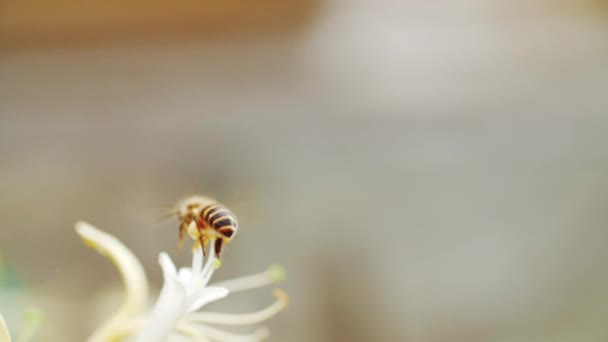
184	292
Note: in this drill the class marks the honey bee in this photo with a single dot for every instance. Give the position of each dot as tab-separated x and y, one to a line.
205	219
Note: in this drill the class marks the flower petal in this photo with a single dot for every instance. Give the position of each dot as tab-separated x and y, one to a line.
168	310
168	267
184	275
132	273
4	334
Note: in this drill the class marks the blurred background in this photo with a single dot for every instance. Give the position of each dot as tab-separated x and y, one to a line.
426	171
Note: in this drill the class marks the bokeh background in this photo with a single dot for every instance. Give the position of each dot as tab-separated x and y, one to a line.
426	171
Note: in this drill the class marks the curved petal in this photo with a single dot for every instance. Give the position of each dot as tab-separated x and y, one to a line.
167	266
4	334
132	273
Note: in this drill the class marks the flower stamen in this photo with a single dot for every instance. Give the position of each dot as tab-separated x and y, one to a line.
190	331
207	271
273	274
243	319
217	334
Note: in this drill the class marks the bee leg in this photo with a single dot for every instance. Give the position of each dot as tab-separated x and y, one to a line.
203	243
182	230
218	248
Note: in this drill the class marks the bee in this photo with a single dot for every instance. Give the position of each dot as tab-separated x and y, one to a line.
205	219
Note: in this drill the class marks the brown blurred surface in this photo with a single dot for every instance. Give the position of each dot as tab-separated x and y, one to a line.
45	22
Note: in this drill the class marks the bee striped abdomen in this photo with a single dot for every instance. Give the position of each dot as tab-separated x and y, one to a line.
208	210
220	219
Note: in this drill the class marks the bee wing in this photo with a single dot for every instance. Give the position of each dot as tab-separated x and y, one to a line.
174	209
166	214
